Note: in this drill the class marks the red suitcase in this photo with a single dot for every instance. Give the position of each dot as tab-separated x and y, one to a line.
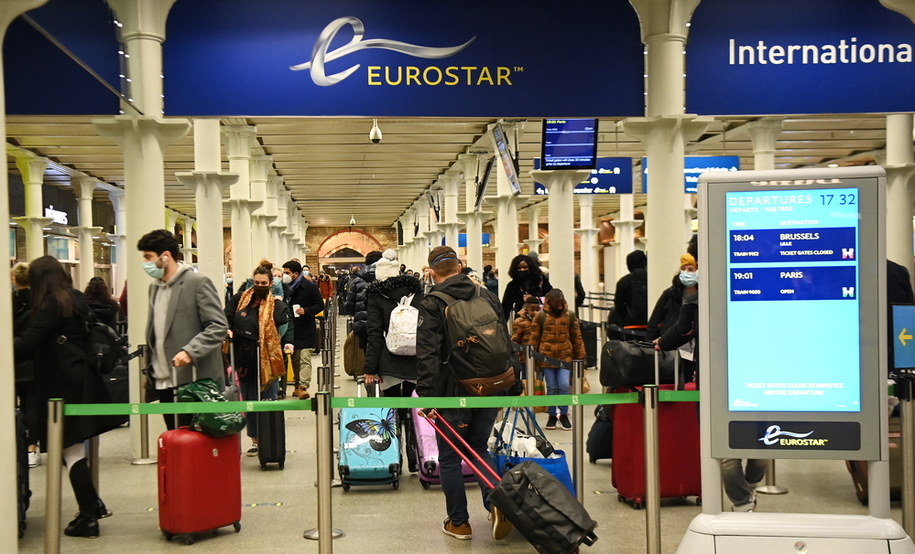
199	483
678	441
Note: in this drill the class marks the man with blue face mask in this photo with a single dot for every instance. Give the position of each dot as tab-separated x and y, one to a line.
186	324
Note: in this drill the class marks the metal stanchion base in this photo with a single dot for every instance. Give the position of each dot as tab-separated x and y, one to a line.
771	489
312	534
143	461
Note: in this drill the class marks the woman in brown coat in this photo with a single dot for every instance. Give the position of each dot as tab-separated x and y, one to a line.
557	334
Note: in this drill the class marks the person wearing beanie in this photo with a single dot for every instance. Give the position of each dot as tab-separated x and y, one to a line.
630	301
356	295
387	266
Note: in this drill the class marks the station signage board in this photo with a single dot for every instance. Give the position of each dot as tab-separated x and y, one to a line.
610	176
693	167
794	265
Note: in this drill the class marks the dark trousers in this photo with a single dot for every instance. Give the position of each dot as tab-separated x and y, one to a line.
475	427
167	396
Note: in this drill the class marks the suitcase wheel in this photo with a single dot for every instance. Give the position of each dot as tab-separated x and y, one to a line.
263	467
168	536
698	501
282	466
345	487
188	539
396	484
425	484
237	526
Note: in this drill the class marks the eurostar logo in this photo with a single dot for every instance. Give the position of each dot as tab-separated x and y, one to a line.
320	54
774	432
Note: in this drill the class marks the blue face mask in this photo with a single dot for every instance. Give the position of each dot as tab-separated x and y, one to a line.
153	270
689	278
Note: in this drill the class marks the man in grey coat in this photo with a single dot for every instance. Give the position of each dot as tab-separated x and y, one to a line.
186	324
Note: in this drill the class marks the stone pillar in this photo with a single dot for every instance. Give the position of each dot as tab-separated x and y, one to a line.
281	226
303	240
421	242
271	209
561	221
665	129
473	220
187	245
624	242
533	240
450	223
588	233
610	266
86	186
260	165
295	218
32	170
238	142
900	169
208	184
119	239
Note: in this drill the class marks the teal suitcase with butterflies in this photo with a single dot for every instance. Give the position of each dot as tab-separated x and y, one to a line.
369	446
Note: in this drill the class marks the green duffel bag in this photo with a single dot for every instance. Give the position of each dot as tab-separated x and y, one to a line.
212	424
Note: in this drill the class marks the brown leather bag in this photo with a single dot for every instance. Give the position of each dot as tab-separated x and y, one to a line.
353	356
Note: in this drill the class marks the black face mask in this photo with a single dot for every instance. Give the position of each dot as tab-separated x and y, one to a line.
261	291
523	272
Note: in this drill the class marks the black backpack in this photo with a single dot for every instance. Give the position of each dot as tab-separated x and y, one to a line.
106	349
480	355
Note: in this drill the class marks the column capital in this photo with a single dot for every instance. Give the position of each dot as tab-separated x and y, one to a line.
560	179
238	140
142	18
32	168
85	186
665	17
260	165
764	133
121	128
691	125
194	179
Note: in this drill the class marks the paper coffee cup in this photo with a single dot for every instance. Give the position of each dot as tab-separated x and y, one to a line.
295	310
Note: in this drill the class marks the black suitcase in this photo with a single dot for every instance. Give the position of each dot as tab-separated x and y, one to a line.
600	437
23	494
537	504
271	438
589	336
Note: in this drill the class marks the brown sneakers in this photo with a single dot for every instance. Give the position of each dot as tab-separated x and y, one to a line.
302	394
461	532
501	527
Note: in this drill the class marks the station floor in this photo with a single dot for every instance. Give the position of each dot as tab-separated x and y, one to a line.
280	505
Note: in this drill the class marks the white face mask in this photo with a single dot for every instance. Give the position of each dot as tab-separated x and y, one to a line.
689	278
287	278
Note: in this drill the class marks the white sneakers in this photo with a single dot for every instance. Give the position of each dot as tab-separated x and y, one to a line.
34	459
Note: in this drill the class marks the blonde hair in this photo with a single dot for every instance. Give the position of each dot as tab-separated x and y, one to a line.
20	274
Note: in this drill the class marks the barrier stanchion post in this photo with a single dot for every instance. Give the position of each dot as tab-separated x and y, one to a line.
324	533
649	398
530	370
770	487
905	388
578	443
54	473
144	458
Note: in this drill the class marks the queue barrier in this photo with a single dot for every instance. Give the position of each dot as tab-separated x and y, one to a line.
323	404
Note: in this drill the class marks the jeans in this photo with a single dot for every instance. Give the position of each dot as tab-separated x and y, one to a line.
737	482
474	426
557	382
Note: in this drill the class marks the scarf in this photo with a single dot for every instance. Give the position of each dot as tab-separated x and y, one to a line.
268	338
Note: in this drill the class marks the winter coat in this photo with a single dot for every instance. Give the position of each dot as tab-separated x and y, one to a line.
106	312
246	323
513	297
666	309
434	378
685	328
56	346
326	286
558	337
355	302
381	299
306	294
22	314
630	300
522	331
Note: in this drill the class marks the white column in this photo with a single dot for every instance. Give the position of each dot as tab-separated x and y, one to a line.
900	169
303	239
588	233
295	217
665	129
260	165
85	187
450	223
119	239
473	220
423	218
271	209
32	170
560	218
238	142
281	227
9	10
208	184
187	245
625	226
533	240
610	265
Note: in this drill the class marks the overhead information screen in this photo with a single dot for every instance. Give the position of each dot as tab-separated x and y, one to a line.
569	143
793	253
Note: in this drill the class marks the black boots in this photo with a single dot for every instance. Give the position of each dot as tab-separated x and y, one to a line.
83	526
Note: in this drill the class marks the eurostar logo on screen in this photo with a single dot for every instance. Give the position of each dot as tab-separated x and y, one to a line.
384	75
774	433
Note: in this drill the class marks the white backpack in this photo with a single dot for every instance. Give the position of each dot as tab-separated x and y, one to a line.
401	336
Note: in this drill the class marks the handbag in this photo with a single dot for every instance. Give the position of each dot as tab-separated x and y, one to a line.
353	356
631	364
553	461
216	425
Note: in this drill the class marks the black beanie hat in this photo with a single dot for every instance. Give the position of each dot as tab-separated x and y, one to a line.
372	257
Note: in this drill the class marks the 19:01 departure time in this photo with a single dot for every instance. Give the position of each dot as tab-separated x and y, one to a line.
838	199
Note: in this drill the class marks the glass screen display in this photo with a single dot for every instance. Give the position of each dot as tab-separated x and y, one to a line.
793	278
569	143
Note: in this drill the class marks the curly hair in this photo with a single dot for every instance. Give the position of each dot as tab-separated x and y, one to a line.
533	266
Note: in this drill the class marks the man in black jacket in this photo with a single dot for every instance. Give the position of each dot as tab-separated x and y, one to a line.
304	299
355	296
436	379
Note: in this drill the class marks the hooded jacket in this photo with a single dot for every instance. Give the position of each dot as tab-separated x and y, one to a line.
557	337
630	300
355	301
432	344
381	299
666	309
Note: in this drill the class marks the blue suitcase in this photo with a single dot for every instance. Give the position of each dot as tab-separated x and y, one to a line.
369	446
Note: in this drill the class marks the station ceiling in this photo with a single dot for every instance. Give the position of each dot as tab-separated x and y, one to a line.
334	172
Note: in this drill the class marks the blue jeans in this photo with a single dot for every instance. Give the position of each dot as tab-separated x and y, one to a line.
475	427
557	382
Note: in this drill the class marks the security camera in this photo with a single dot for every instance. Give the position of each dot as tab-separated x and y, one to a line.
352	219
375	133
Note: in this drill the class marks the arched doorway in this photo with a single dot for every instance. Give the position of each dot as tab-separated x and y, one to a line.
345	248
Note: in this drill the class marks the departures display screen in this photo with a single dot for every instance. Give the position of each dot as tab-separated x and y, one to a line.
793	306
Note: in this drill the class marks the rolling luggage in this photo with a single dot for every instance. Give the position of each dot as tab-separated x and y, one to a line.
600	437
589	336
271	437
678	442
199	482
369	445
858	469
537	504
425	453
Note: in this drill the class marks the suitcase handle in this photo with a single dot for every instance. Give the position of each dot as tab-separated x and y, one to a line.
434	415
